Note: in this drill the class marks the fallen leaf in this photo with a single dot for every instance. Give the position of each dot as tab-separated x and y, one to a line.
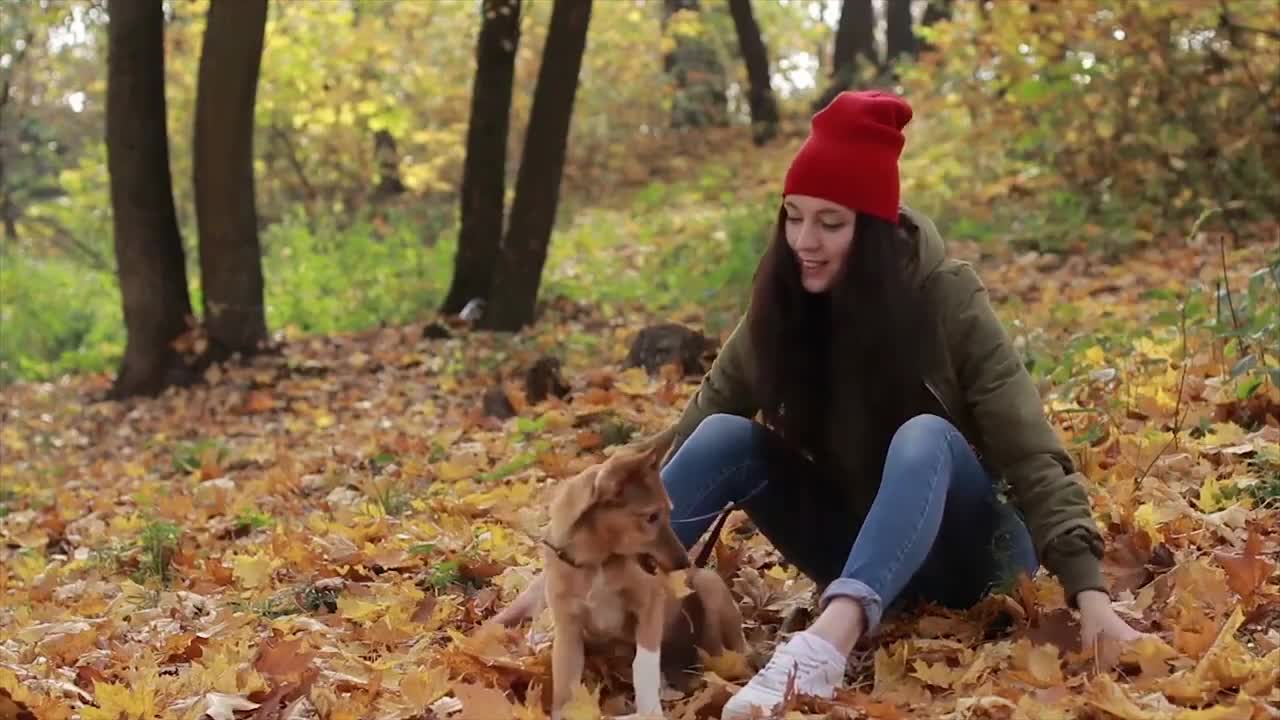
421	688
1103	693
482	703
221	706
728	664
938	674
252	571
583	705
1040	665
284	659
678	583
1151	654
1247	571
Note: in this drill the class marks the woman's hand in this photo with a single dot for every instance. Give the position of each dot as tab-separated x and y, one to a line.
527	604
1100	625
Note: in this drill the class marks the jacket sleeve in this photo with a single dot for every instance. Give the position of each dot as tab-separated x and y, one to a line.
725	388
1017	440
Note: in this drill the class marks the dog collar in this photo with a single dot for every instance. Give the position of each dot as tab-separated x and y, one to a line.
562	554
645	560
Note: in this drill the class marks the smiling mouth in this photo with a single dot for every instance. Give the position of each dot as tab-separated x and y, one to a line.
812	265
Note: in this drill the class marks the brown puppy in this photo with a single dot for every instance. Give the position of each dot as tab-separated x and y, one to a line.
607	554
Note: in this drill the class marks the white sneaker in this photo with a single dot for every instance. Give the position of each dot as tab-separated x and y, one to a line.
819	669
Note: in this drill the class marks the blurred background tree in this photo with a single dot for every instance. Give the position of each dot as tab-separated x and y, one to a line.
1079	124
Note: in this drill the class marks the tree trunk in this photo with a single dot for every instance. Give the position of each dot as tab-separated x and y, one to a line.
230	259
701	96
484	170
855	43
8	213
900	40
764	108
148	246
514	293
387	157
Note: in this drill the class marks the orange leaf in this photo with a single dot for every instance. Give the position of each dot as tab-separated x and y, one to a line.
1246	572
481	703
285	659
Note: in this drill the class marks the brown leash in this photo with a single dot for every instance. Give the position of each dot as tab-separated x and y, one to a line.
705	553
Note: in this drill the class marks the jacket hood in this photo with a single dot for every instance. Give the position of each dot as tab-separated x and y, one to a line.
932	248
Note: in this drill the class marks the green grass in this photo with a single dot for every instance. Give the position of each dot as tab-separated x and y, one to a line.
674	247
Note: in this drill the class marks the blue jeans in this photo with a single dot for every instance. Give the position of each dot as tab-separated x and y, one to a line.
935	532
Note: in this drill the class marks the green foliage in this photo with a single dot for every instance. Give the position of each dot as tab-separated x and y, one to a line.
442	574
1097	123
157	544
57	317
250	519
328	278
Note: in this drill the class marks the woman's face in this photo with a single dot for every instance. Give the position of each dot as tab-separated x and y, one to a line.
820	233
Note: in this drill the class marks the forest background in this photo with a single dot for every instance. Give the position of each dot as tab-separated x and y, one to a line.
239	245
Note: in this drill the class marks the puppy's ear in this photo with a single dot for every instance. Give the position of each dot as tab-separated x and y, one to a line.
608	483
656	448
578	494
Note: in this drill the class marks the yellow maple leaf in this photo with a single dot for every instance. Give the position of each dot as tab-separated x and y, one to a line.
728	664
1095	355
584	704
122	702
1211	497
359	610
1105	694
450	471
252	571
1150	653
1144	518
9	683
1039	664
938	674
426	686
678	583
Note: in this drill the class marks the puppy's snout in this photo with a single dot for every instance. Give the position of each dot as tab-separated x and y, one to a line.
671	552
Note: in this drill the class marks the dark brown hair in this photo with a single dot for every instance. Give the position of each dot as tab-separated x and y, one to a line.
862	343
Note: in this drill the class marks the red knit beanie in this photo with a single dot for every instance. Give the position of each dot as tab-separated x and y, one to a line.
851	154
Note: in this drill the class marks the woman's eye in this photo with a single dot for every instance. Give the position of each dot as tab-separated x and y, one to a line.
793	219
832	227
653	518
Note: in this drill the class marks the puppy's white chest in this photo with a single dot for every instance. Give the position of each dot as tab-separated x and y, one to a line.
604	607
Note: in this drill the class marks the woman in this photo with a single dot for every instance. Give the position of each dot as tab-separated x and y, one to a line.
892	403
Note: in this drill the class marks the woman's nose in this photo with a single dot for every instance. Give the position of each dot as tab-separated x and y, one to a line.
808	236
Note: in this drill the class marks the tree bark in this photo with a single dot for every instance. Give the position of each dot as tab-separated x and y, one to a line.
148	245
514	292
764	108
484	169
701	95
387	157
900	40
855	43
226	216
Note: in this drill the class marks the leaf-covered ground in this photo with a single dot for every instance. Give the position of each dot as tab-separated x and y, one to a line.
323	533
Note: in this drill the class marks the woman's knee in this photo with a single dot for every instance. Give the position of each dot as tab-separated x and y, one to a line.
923	438
723	432
721	441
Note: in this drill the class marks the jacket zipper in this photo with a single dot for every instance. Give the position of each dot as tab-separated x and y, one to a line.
952	417
938	396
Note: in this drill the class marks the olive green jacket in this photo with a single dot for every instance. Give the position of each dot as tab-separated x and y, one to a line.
981	387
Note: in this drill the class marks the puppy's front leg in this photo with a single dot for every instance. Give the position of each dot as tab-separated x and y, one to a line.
566	664
646	671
